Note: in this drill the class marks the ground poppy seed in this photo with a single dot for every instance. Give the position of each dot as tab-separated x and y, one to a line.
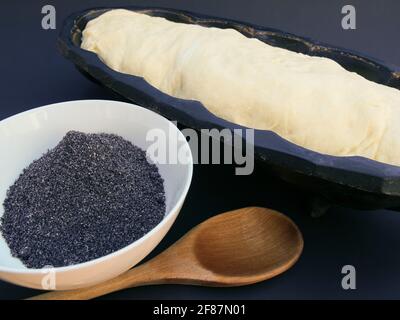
89	196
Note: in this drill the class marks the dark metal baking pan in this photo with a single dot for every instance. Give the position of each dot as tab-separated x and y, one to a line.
351	181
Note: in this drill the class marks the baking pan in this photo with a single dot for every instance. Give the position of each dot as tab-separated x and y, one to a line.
351	181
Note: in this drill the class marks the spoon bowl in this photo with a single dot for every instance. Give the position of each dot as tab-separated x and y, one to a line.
247	245
235	248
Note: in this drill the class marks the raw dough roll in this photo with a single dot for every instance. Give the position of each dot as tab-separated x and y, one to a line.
310	101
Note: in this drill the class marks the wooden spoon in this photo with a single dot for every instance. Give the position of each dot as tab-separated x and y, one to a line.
236	248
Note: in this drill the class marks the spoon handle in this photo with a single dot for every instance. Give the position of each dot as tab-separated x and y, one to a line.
139	276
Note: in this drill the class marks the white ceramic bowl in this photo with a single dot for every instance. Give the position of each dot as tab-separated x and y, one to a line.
26	136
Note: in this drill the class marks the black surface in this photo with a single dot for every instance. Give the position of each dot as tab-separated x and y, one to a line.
33	74
373	185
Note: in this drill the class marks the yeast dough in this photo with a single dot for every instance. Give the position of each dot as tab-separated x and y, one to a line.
310	101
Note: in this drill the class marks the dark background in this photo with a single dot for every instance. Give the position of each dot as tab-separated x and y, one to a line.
33	73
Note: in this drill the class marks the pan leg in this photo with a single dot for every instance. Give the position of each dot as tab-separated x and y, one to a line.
318	206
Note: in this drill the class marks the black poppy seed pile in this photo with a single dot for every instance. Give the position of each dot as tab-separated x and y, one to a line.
89	196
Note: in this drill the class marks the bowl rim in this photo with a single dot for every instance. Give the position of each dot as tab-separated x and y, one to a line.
168	214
